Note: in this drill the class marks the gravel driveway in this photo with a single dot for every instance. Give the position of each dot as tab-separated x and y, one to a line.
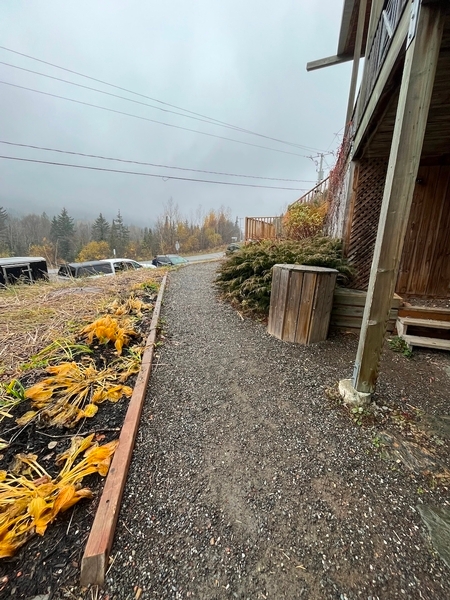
246	482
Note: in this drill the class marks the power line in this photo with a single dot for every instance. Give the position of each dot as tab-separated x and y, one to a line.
148	164
173	112
211	119
119	112
164	177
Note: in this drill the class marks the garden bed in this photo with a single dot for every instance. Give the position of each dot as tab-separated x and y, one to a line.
33	317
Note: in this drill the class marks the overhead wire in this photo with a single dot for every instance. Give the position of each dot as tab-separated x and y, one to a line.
173	112
164	177
210	119
119	112
149	164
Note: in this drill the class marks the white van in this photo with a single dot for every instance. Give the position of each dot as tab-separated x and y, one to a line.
92	268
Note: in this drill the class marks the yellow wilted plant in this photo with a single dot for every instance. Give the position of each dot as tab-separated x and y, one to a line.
30	499
305	220
131	306
72	392
128	364
107	329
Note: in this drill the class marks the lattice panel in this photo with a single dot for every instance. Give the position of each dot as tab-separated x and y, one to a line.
368	195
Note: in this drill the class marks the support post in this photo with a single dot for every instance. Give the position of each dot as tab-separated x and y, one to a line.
409	130
356	59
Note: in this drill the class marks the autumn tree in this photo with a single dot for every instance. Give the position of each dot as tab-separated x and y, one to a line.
94	251
46	249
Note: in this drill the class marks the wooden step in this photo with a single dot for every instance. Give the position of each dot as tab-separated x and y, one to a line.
432	323
426	342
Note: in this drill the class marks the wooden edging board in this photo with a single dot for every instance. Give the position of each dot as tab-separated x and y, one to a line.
96	554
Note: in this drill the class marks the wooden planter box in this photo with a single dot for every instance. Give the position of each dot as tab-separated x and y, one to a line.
348	309
300	303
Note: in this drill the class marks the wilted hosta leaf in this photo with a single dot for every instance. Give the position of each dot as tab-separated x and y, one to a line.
77	446
90	410
26	418
107	329
28	505
71	393
39	392
42	514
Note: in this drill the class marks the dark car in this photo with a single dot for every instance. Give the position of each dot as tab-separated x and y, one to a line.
233	247
167	260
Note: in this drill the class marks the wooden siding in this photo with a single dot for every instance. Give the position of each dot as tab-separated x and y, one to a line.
425	266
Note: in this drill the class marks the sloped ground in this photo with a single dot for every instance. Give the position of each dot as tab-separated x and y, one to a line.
247	482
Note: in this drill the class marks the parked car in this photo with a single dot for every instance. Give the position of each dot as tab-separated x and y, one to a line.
93	268
22	268
167	260
234	247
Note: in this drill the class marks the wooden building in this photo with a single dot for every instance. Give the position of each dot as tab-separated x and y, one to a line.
394	213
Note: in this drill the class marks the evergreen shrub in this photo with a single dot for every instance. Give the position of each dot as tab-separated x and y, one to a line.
245	278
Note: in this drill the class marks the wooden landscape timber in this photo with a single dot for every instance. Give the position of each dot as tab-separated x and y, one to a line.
348	309
95	560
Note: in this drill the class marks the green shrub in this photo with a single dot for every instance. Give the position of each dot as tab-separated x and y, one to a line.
398	344
245	278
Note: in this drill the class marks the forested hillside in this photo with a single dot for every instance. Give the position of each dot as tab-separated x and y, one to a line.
61	238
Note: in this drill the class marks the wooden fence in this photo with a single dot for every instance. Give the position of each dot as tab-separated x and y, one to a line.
262	228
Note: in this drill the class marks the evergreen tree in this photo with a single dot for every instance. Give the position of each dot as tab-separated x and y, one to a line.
3	230
119	236
62	234
100	229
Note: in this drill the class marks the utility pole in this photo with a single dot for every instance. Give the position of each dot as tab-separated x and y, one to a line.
320	172
319	164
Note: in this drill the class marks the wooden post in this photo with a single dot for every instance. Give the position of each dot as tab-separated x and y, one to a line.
409	130
356	59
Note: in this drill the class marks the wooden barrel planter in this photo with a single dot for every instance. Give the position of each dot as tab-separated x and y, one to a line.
300	303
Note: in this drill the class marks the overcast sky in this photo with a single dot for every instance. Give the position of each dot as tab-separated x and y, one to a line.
240	62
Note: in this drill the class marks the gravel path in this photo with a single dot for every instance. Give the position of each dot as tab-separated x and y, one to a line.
246	482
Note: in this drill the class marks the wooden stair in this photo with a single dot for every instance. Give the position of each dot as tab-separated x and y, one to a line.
424	341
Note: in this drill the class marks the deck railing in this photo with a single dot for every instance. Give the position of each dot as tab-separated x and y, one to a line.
316	193
389	20
262	228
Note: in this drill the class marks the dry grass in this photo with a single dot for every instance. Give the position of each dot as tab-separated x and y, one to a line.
34	316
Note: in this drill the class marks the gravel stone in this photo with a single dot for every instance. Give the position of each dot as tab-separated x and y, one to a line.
246	482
